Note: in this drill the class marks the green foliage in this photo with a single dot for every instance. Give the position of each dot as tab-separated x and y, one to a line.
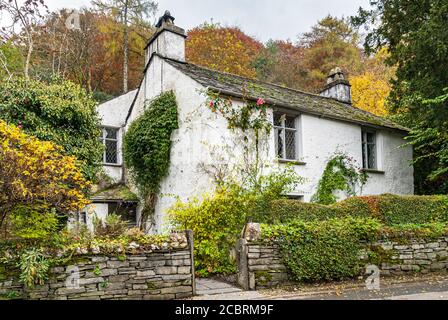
217	220
147	147
322	250
390	209
284	210
250	116
61	112
11	57
410	209
34	268
113	226
416	36
340	174
33	223
332	249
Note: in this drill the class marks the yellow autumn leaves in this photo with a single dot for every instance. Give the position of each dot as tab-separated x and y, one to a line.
33	172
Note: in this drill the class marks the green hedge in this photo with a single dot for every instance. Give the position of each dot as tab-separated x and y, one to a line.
331	249
390	209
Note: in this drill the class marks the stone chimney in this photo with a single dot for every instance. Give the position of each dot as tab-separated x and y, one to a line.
168	41
337	87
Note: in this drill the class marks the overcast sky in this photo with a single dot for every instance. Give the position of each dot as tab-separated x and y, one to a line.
263	19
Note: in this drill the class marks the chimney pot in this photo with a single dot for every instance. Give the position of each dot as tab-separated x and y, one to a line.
337	86
168	40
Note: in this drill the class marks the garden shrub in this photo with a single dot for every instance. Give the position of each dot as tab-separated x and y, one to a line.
331	249
283	211
34	267
322	250
35	174
33	222
413	209
390	209
217	221
61	112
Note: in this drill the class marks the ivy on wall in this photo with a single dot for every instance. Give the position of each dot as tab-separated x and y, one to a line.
340	174
147	148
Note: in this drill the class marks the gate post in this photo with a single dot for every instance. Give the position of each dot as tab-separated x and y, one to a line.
190	240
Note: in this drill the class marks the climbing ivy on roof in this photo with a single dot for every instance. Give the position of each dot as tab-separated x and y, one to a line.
147	148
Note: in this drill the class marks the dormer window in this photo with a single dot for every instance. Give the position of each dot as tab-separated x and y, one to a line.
109	139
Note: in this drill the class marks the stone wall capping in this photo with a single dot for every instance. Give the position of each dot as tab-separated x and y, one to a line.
146	275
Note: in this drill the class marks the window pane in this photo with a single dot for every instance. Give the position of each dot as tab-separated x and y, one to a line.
372	156
279	143
364	156
290	145
290	122
111	133
278	120
370	137
111	152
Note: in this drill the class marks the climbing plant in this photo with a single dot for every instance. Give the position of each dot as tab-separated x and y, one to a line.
147	147
340	174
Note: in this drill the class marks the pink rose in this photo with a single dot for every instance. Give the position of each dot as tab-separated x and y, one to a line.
260	102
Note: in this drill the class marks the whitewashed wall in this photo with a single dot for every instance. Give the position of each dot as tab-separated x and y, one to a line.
202	132
113	114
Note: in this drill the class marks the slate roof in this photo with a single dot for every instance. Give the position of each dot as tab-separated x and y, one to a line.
278	96
118	192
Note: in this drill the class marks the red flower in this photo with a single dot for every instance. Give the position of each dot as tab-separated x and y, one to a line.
260	102
212	104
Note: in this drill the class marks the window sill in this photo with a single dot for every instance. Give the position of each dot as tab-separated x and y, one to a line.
292	162
373	171
112	165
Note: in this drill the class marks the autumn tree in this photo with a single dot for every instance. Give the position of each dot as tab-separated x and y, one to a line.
281	62
126	12
226	49
37	175
331	43
371	88
416	36
23	18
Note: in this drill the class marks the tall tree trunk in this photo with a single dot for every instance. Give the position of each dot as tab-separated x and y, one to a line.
126	49
28	57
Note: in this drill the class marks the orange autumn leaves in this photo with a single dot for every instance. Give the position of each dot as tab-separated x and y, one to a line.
224	49
298	66
34	172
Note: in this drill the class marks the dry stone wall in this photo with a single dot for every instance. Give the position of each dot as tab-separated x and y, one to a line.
260	265
159	275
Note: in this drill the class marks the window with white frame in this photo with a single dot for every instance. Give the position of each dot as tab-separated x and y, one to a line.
369	150
286	136
109	139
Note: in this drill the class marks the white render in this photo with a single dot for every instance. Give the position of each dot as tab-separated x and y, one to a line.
113	114
201	132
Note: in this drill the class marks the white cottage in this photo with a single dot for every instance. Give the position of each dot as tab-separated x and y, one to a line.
309	128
